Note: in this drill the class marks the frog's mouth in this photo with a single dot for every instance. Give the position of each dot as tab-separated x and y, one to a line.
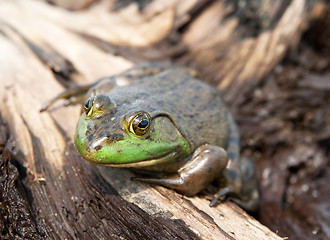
143	163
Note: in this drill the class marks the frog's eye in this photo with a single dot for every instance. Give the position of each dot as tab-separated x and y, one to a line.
98	104
140	124
88	107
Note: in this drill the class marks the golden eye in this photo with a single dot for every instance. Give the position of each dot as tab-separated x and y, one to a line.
99	104
140	124
88	107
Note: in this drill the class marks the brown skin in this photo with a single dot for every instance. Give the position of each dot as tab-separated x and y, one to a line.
182	109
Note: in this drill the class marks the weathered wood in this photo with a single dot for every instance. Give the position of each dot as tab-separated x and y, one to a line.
42	46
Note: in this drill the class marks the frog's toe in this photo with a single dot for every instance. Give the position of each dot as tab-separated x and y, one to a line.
223	193
250	203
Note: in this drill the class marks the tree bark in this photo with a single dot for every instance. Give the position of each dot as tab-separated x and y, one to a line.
47	190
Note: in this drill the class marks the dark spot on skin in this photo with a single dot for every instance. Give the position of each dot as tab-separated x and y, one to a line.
111	137
233	139
232	155
154	64
210	169
233	174
212	104
99	147
160	103
144	94
90	137
104	121
248	172
135	97
115	136
101	134
120	136
198	87
161	92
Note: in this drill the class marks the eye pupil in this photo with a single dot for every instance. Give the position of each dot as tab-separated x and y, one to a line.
143	124
87	103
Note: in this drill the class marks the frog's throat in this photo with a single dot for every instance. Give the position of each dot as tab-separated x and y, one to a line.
143	163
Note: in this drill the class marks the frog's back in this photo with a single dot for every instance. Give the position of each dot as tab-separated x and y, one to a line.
195	107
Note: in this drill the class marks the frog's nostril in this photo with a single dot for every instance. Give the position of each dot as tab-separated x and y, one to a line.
98	147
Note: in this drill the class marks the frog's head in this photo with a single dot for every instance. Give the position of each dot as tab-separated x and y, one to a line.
113	135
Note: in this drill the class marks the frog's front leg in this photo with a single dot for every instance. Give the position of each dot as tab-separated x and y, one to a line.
207	163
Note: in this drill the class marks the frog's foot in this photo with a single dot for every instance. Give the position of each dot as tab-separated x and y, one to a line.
221	194
242	190
206	164
228	194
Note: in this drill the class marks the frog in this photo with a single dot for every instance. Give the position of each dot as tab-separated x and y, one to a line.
172	128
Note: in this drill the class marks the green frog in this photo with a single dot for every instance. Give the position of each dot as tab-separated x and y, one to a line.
164	121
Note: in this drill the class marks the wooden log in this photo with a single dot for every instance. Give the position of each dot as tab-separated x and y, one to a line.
59	195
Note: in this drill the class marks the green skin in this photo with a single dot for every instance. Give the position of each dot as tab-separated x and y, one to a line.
163	120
